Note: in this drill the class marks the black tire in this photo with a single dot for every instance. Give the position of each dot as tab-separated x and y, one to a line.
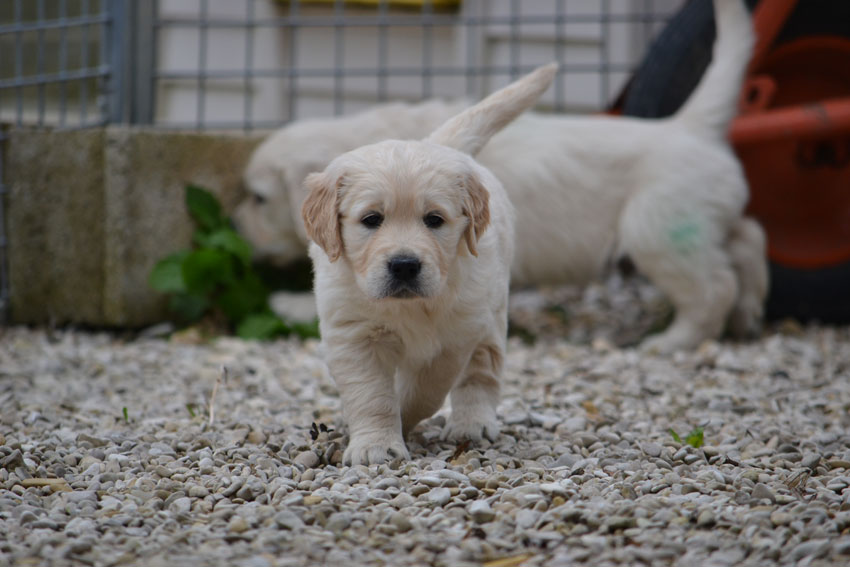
671	70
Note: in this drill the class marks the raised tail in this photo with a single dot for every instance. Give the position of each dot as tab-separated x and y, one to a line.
470	130
714	102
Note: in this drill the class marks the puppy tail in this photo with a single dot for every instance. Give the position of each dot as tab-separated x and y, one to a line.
714	102
470	130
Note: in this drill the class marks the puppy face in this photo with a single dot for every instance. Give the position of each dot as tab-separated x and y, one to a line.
273	182
400	213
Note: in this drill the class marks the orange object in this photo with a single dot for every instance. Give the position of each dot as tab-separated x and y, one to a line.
793	139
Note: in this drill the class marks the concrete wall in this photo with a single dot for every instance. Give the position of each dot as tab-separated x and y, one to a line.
90	212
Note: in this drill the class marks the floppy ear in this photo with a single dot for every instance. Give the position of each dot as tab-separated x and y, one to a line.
476	207
320	213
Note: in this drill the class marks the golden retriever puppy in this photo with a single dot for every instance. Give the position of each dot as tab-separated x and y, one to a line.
412	244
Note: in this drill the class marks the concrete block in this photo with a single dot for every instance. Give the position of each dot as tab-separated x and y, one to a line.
146	172
55	226
90	212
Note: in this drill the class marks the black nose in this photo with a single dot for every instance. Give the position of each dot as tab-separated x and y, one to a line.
404	268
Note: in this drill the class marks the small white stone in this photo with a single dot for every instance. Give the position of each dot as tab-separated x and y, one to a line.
481	511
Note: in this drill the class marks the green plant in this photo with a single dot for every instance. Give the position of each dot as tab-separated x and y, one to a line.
216	277
694	438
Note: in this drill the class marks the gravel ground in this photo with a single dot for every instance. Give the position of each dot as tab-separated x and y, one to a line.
204	468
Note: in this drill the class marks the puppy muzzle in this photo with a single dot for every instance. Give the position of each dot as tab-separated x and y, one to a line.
403	277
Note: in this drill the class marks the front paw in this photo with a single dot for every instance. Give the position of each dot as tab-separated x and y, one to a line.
374	448
471	426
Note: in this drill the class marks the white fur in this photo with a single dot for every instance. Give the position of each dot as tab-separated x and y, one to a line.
397	351
668	193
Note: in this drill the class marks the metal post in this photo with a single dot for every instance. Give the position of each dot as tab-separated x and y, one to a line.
339	56
247	108
4	248
145	40
128	47
427	49
115	46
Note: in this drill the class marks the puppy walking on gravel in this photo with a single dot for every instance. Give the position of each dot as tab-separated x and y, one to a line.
412	244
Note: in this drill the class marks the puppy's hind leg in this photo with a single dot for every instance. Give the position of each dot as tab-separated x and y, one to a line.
702	296
684	257
475	397
747	249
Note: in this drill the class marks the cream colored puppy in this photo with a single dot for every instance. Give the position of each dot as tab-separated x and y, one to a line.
411	245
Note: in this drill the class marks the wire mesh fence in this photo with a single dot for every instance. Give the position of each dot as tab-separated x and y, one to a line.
256	64
54	63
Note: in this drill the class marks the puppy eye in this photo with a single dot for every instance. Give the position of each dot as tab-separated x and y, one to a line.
372	220
258	199
433	220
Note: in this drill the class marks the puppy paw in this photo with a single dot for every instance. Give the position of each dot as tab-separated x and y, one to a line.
470	427
374	449
745	321
668	343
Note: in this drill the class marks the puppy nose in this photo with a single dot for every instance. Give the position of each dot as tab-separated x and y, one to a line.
404	268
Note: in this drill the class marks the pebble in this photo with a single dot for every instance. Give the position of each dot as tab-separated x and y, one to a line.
439	496
481	512
288	520
338	522
706	518
761	491
401	522
652	449
308	458
780	518
238	524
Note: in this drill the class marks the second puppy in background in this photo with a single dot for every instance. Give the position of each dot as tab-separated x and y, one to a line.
412	245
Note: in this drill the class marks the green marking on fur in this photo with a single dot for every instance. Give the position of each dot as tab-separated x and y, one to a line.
685	236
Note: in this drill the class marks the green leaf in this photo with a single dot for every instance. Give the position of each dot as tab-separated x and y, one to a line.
205	269
226	239
204	208
167	275
188	307
306	330
126	415
200	238
695	438
261	326
243	296
675	435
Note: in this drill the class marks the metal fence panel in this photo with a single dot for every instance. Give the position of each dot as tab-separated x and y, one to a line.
53	72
